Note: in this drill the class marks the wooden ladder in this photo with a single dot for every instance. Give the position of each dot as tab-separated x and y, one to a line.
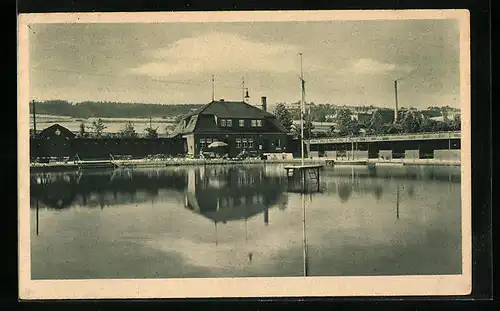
313	175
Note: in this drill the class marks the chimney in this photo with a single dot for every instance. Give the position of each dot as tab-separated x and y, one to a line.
264	103
396	111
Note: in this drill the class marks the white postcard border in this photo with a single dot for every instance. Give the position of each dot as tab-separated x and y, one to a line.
240	287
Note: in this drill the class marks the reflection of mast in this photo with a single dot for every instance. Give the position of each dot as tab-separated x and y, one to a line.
304	233
215	223
246	231
37	217
397	202
266	216
250	254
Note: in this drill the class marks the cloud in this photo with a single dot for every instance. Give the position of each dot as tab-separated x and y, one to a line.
219	53
371	66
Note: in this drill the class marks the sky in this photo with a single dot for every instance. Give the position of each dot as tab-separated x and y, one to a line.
344	62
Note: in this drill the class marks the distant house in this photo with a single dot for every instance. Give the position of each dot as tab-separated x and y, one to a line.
56	140
240	125
386	115
296	106
330	117
56	131
362	117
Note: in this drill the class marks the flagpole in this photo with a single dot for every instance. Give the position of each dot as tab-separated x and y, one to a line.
301	112
213	87
34	116
243	89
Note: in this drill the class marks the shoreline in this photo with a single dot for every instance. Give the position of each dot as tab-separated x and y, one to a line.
138	163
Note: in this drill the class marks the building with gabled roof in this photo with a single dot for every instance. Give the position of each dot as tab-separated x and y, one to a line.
240	125
56	131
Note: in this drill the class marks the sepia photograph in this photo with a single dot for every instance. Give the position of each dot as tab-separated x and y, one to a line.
244	154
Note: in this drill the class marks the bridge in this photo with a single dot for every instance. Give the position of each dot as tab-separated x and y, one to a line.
388	137
436	145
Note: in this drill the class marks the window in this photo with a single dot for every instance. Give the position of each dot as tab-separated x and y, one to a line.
238	143
254	123
250	143
245	143
259	123
242	123
202	143
226	123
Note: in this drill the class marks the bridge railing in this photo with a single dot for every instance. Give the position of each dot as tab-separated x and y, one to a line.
388	137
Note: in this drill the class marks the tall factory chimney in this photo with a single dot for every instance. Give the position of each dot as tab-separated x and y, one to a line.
396	112
264	103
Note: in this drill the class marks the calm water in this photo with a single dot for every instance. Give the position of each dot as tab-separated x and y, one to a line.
225	221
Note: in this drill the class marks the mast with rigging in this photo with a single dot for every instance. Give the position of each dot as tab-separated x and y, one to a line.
302	111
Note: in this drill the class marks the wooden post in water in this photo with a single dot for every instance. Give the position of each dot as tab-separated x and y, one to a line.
449	146
318	177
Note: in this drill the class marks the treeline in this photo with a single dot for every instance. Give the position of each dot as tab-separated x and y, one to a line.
381	121
90	109
327	112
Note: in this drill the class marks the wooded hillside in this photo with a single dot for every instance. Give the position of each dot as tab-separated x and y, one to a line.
110	109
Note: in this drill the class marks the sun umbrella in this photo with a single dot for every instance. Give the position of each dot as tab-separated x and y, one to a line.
216	144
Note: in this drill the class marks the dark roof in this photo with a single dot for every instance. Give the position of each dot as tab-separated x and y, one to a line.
235	213
224	109
51	131
233	109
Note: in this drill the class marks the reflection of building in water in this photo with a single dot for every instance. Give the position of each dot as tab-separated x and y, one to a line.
225	194
345	182
103	188
344	190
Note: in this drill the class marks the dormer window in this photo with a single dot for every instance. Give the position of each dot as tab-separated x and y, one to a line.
226	123
254	123
242	123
